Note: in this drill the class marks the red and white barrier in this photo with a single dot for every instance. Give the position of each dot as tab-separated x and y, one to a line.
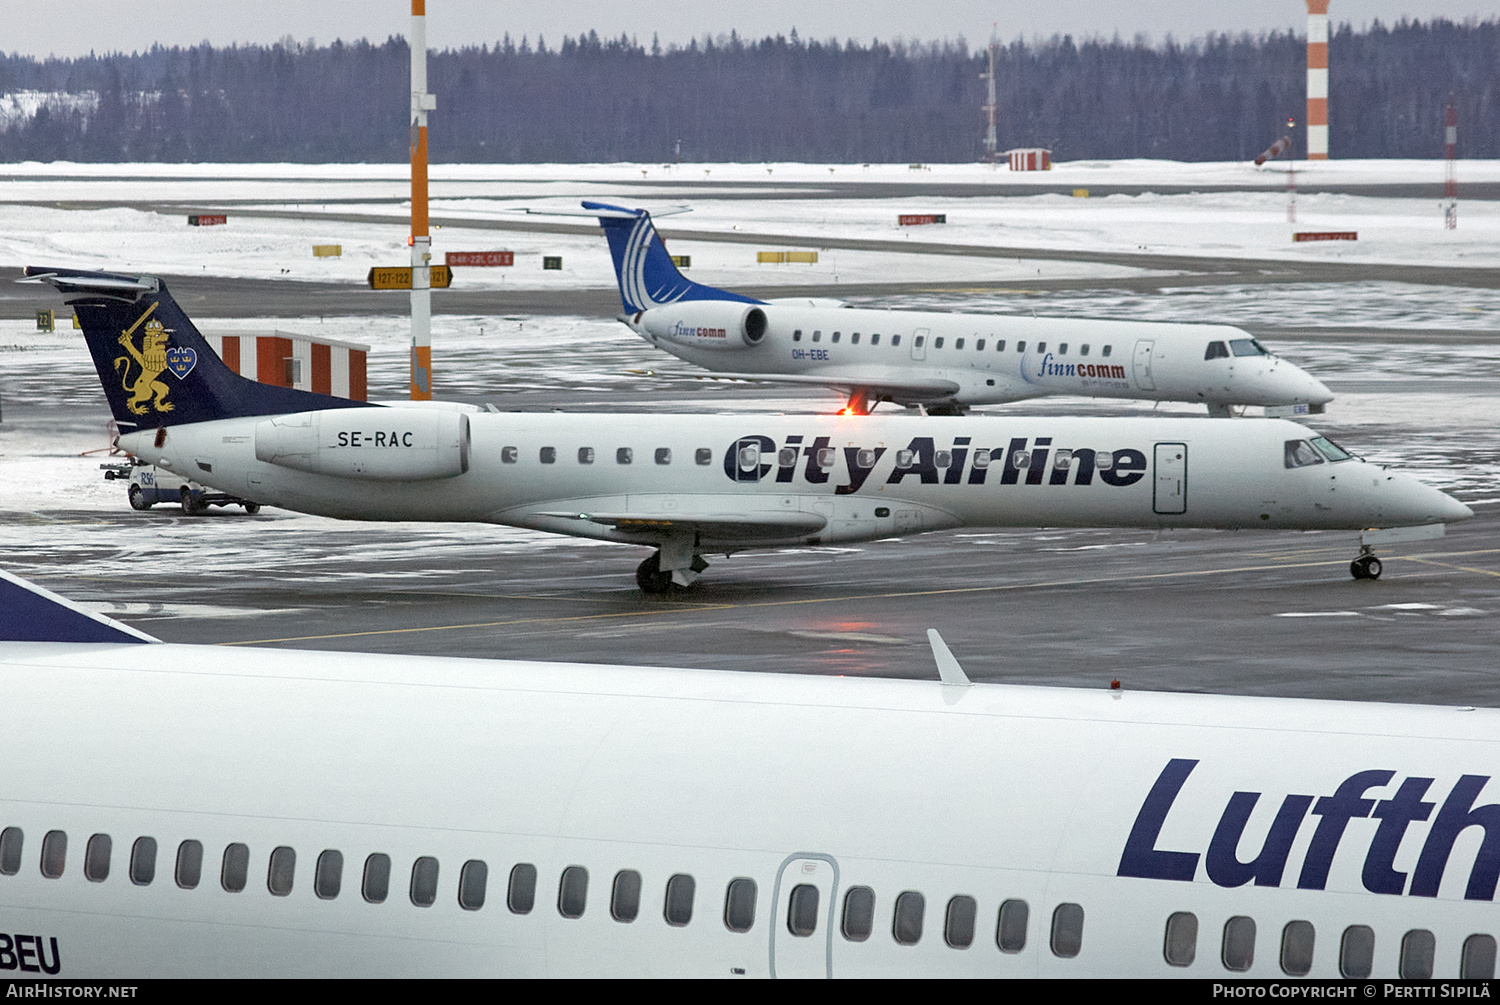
283	359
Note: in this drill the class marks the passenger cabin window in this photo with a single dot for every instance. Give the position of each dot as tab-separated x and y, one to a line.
895	340
1357	951
703	456
585	455
96	858
1067	930
797	335
625	896
573	891
54	853
1000	345
1248	347
802	910
1300	454
624	455
424	881
836	336
281	871
235	871
1478	960
958	922
854	339
859	913
548	455
979	346
509	455
679	906
1083	350
1418	948
739	905
958	343
1297	940
473	880
520	894
143	861
328	874
817	336
786	456
875	339
937	343
1010	933
906	925
663	455
11	840
1180	947
919	340
1238	951
1041	347
188	872
375	886
1106	350
1062	349
1216	350
1021	346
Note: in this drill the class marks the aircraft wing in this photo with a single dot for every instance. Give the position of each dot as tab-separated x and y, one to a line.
734	525
934	387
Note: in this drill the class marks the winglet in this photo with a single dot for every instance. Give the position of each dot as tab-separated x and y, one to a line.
948	669
29	613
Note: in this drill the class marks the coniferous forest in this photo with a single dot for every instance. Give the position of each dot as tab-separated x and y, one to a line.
588	99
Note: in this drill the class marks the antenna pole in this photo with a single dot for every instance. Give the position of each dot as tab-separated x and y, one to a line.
421	240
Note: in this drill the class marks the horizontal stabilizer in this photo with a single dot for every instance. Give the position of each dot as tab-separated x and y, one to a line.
29	613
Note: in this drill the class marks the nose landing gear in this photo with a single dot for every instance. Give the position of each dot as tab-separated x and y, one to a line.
1366	566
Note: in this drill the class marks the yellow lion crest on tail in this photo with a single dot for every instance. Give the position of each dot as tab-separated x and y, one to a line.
151	357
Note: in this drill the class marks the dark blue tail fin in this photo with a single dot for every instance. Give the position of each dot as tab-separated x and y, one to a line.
29	613
645	271
156	368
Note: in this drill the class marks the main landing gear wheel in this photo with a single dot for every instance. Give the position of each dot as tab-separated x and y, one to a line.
138	498
650	577
1365	567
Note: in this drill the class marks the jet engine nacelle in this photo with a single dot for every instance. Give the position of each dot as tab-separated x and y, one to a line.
380	444
708	324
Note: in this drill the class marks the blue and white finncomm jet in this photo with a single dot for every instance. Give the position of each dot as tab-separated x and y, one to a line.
697	485
940	360
190	811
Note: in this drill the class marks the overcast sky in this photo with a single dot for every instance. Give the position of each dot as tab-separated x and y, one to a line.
76	27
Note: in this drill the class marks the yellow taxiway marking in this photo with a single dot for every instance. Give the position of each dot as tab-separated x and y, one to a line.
703	607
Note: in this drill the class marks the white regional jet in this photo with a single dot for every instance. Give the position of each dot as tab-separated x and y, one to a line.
692	485
943	361
178	810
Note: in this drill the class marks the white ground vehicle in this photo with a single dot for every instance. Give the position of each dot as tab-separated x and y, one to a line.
150	485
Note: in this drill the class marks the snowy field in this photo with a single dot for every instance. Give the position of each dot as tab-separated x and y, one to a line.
145	227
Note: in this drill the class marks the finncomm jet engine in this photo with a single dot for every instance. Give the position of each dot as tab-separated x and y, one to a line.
705	324
375	444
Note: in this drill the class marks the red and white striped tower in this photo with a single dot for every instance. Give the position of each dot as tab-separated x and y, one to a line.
1317	80
421	240
1450	181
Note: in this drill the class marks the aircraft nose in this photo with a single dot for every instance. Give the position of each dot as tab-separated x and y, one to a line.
1419	503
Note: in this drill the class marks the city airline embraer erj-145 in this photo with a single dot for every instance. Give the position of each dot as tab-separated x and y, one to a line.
942	361
691	485
179	810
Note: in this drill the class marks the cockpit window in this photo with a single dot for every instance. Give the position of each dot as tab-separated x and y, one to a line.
1248	347
1331	450
1216	350
1300	454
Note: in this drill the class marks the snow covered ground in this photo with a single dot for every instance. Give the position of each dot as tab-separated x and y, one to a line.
52	213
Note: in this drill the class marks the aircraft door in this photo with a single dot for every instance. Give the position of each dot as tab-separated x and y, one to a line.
1171	478
804	912
1143	378
919	343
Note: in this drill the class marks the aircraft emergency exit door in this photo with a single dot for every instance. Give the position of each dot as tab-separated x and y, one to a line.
1171	478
